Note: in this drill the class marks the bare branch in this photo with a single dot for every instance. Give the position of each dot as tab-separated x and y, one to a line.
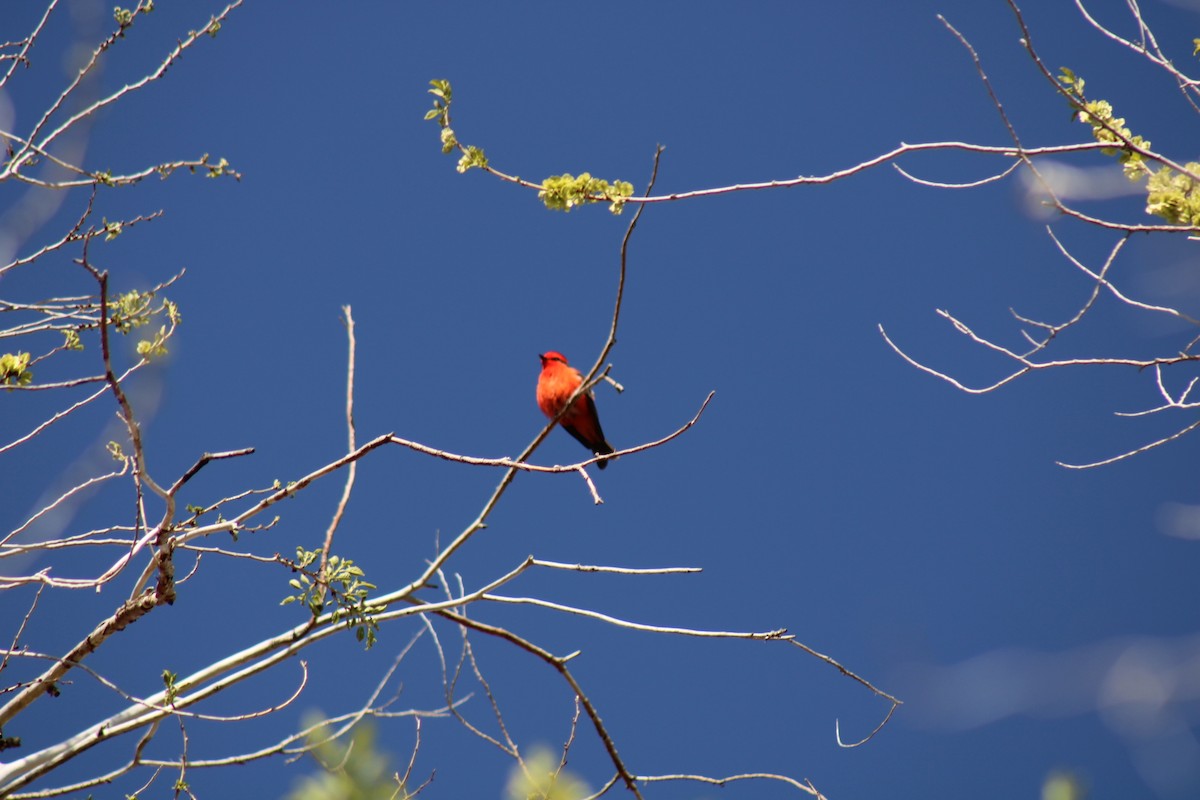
352	469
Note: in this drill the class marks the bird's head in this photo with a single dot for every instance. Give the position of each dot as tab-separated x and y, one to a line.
552	357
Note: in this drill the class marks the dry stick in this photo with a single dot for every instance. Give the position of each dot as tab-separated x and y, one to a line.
101	780
203	461
999	176
22	57
1052	331
352	469
1101	279
1012	132
1027	366
63	498
603	790
70	236
342	724
804	787
1023	154
413	758
560	665
21	628
538	562
779	634
1135	451
130	611
450	683
509	746
1153	53
562	761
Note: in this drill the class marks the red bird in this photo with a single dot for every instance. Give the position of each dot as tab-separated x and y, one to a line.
556	384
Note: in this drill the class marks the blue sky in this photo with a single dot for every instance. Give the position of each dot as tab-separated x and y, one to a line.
1032	618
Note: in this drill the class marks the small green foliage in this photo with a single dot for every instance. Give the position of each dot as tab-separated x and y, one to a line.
104	178
441	102
218	169
472	157
133	309
73	342
212	29
124	18
1174	196
1110	129
560	192
112	229
1170	194
14	369
542	779
195	511
1063	786
1196	47
1107	128
169	679
1070	81
114	450
355	769
564	192
130	310
346	586
151	349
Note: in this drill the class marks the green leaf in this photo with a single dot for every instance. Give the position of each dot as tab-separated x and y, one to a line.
14	369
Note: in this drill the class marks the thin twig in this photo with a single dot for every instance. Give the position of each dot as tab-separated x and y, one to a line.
352	469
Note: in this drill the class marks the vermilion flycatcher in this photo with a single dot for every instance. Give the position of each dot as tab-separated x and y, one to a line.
556	384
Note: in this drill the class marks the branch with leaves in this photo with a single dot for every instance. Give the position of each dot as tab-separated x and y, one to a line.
1172	193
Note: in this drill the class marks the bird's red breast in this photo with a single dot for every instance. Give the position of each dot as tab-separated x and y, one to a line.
556	384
